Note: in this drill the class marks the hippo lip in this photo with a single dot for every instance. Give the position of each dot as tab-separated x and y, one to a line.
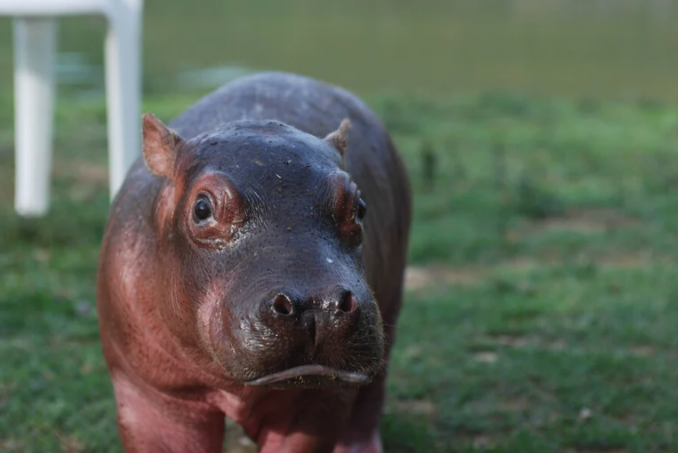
311	370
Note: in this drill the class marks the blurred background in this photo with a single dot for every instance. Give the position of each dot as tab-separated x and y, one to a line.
541	137
600	48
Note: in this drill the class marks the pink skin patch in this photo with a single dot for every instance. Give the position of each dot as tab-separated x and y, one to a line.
153	422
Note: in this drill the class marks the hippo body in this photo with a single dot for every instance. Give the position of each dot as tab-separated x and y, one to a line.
252	267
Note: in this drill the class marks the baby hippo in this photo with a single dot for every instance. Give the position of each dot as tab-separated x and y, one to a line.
252	268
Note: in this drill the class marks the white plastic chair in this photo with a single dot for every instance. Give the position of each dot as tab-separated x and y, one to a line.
34	49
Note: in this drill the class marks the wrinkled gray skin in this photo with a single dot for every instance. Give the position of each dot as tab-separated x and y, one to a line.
171	394
318	108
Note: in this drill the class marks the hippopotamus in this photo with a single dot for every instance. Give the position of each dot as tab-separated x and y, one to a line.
252	267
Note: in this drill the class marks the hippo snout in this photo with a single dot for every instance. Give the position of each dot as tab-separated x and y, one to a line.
318	324
312	339
316	320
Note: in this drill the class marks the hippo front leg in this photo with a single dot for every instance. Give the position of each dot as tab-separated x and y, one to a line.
372	445
361	435
166	425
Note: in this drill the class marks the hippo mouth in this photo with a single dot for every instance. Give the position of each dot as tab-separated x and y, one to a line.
311	375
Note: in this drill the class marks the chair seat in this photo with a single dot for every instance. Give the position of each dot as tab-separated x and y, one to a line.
52	7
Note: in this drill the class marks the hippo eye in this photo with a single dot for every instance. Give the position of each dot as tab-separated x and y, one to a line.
202	210
361	210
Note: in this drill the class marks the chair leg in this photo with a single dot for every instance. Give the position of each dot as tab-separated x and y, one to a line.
123	92
34	49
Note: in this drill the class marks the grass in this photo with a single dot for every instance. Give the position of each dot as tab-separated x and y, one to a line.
542	296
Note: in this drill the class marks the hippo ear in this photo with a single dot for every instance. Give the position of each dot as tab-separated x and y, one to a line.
159	146
339	138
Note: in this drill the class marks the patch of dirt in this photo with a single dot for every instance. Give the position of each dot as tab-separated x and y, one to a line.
412	352
514	405
487	407
509	340
475	439
482	442
22	344
586	221
559	345
642	351
419	277
626	262
41	255
486	357
521	342
10	445
598	450
416	407
619	261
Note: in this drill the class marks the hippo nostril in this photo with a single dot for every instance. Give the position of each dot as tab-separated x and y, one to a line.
348	302
282	304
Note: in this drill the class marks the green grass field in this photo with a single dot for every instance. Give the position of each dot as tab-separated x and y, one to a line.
542	295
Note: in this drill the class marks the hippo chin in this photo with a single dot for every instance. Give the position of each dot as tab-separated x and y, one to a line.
252	267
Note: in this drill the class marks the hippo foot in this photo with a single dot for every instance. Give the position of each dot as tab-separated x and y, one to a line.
372	445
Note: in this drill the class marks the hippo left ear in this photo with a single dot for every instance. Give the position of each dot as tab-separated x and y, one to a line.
159	146
339	138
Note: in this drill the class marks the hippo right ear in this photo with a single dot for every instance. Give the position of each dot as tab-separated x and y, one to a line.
159	146
339	138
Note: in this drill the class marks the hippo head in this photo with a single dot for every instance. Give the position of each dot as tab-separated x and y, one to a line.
260	235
